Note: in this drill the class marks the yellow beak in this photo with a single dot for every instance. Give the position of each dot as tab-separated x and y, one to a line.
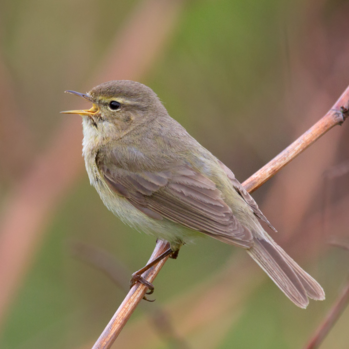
89	112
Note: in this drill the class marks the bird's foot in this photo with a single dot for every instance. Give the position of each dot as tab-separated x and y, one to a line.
137	276
140	279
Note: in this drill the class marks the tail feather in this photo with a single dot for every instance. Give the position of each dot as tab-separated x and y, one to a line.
285	272
311	286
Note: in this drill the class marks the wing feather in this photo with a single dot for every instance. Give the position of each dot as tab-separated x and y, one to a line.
246	196
182	195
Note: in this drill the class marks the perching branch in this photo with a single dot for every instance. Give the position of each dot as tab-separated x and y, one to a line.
134	296
335	116
106	263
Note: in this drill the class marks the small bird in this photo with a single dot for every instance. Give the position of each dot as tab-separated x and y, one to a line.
158	179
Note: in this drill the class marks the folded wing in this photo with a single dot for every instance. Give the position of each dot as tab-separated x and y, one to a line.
181	195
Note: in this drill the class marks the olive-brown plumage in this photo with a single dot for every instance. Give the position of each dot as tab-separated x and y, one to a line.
152	174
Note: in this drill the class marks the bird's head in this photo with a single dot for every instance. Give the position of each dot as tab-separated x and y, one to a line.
118	106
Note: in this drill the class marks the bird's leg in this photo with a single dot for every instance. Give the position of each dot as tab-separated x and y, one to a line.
174	254
137	276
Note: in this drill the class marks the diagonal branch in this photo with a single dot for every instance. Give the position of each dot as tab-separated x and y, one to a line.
335	116
106	263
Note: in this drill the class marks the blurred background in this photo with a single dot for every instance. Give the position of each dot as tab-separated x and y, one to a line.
245	78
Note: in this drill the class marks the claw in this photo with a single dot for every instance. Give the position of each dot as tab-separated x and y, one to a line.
149	300
138	278
150	291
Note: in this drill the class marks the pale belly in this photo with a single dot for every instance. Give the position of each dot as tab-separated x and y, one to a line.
164	229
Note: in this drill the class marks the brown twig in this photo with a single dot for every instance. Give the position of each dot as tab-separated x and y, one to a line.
119	274
295	184
134	296
335	116
334	313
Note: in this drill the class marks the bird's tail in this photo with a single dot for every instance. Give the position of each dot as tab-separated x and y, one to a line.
297	284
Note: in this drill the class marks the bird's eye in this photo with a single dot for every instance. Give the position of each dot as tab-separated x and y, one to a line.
114	105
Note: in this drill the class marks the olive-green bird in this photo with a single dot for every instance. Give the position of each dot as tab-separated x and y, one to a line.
158	179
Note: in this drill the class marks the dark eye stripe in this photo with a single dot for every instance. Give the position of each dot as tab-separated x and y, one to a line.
114	105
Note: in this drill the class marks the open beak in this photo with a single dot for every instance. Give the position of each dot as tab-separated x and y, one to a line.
89	112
